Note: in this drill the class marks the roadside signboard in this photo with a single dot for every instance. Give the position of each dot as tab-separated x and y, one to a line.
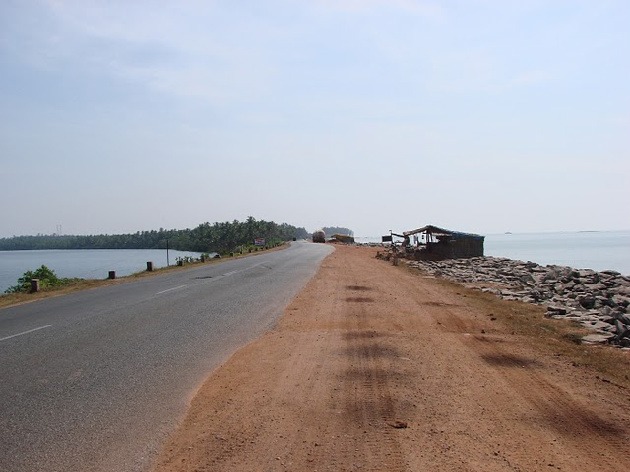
259	242
387	239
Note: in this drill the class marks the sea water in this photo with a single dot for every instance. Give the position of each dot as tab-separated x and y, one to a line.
83	263
597	250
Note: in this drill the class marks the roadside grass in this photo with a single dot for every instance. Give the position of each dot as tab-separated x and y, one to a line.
12	299
558	338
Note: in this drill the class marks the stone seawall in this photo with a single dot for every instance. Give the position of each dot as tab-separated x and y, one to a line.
597	300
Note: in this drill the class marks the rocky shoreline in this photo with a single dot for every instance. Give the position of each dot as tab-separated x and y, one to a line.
596	300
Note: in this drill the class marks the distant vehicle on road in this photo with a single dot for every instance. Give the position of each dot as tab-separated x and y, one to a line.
319	236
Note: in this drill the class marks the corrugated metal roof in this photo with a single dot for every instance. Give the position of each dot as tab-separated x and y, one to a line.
441	231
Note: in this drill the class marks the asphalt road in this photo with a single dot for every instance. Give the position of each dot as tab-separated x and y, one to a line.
96	380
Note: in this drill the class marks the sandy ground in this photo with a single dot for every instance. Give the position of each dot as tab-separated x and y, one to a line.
376	368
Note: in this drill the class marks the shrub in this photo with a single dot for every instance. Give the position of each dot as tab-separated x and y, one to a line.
47	278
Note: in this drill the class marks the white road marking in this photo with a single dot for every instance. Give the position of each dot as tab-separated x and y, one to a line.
25	332
243	270
171	289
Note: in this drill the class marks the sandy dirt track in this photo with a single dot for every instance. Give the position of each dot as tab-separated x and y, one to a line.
375	368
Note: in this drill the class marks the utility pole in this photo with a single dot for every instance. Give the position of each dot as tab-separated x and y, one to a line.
167	261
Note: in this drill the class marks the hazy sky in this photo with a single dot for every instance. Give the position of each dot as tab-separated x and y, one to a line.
475	115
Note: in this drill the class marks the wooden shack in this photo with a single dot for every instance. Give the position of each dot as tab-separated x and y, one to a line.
433	243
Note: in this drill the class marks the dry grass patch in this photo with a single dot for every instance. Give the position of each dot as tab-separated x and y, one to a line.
559	338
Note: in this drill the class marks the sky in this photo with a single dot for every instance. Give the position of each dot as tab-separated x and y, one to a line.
484	116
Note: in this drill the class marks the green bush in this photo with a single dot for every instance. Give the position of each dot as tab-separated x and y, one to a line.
47	278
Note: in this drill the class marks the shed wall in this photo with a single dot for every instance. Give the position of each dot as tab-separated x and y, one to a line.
452	249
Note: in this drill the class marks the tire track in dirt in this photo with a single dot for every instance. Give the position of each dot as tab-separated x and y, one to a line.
369	400
362	398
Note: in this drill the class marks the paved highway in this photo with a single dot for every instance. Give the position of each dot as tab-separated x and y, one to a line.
94	381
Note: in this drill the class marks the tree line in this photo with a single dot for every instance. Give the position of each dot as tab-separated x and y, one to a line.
216	237
330	230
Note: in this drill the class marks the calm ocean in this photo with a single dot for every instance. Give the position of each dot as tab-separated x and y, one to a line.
598	250
86	264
